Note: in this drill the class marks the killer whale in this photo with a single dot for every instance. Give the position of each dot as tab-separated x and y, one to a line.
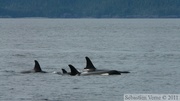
36	69
74	72
64	72
91	68
89	65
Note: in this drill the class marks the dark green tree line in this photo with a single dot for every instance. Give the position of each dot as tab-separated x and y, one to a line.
89	8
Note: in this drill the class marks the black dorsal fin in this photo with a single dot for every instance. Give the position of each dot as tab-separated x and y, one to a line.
89	64
37	67
64	71
73	70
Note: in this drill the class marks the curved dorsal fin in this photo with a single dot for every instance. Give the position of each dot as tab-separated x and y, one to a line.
37	67
89	64
64	71
73	70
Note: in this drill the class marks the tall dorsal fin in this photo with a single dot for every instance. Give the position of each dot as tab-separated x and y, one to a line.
89	64
64	71
37	67
73	70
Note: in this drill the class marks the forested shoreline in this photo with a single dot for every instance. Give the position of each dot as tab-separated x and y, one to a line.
90	8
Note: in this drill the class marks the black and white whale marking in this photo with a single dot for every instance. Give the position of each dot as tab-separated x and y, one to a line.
91	68
74	72
36	69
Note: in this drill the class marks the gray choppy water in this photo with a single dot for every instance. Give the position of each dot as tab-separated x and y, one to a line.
149	48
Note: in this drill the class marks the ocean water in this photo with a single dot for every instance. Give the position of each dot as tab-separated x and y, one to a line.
148	48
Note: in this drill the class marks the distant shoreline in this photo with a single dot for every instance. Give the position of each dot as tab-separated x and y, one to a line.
93	17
